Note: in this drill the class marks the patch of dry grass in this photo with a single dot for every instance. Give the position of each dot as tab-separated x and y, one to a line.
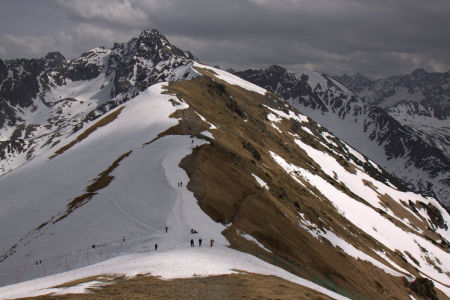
101	278
234	286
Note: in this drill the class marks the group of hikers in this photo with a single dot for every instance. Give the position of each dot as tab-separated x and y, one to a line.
211	242
193	231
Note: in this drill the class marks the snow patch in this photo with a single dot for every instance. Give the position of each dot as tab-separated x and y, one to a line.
261	182
233	80
250	238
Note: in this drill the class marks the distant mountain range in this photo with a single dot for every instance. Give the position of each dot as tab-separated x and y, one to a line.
419	100
408	138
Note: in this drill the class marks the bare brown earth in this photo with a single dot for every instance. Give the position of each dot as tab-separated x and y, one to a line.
235	286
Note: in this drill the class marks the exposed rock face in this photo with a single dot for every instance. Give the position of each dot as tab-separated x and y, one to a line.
424	287
371	129
144	60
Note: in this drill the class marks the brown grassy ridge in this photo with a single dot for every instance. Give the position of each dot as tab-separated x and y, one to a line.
234	286
220	179
102	122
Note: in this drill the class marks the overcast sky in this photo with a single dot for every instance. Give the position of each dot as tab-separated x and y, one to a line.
374	37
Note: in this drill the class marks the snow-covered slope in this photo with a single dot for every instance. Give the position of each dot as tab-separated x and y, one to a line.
401	146
219	155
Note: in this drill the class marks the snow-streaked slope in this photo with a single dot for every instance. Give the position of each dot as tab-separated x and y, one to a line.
176	263
369	219
414	153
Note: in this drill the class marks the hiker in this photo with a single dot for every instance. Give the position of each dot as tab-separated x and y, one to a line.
93	246
167	228
156	247
123	239
211	242
199	242
192	243
36	263
181	183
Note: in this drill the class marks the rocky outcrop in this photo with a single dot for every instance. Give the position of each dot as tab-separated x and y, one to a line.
424	287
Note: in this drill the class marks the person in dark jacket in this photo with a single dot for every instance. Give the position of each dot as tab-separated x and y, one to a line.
199	242
156	247
192	243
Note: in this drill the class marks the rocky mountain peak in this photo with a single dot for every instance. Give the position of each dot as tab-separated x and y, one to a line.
419	74
150	45
276	69
54	59
3	70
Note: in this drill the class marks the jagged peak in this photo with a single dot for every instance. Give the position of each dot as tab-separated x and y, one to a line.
419	73
56	55
361	76
151	42
54	59
152	34
276	68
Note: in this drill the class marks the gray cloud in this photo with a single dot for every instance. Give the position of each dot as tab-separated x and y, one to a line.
378	38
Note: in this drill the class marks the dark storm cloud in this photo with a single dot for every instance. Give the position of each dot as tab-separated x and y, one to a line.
380	38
